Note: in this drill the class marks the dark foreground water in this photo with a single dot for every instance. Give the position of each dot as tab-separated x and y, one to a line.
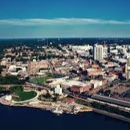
17	118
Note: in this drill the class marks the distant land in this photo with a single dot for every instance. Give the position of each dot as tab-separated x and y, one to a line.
74	41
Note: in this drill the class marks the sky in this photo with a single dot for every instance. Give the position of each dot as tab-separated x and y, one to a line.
64	18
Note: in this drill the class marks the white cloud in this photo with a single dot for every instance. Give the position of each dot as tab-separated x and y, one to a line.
60	21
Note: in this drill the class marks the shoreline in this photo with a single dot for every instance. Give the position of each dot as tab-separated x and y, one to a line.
112	115
50	107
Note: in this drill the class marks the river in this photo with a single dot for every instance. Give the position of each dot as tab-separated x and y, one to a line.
22	118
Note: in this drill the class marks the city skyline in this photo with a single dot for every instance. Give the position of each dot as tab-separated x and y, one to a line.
84	18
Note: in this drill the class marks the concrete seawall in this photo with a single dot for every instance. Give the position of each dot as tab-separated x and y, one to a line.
119	117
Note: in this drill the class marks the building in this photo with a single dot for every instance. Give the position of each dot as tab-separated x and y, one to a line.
96	83
82	48
8	97
105	51
98	52
80	89
35	66
95	71
56	81
127	69
58	90
71	83
16	70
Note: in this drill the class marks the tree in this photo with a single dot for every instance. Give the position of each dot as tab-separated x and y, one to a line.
107	92
1	68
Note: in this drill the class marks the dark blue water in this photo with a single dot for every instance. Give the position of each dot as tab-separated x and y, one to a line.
17	118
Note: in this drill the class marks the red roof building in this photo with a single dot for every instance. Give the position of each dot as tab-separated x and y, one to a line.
80	89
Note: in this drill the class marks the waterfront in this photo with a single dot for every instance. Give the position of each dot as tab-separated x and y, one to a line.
23	118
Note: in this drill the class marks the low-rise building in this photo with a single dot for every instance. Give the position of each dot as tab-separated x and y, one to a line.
80	89
96	83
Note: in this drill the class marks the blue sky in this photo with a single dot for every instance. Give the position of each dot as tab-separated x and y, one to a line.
64	18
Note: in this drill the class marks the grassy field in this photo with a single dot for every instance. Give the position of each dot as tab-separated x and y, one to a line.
40	80
20	95
26	95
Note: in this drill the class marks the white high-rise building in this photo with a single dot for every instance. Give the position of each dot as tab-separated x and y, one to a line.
58	90
98	52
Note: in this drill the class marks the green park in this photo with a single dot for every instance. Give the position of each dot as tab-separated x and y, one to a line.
40	80
20	95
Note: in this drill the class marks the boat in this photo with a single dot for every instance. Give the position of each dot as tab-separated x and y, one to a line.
58	111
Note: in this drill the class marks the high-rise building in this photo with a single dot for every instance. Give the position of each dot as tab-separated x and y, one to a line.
98	52
127	69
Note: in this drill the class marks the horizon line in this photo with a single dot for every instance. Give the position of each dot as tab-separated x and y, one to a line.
10	38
